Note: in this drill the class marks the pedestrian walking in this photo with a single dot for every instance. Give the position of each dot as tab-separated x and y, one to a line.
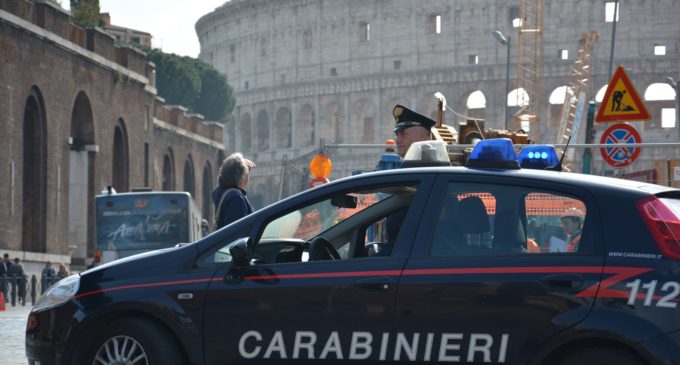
4	268
16	272
17	268
5	264
4	273
230	197
48	276
62	273
48	271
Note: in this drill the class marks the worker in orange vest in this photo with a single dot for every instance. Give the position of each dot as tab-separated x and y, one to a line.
571	224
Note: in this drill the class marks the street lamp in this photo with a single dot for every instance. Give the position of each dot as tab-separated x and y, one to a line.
506	42
675	85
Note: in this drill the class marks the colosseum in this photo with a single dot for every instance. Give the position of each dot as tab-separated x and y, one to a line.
311	70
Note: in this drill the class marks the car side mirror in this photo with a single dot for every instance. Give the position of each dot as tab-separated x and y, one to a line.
239	251
344	201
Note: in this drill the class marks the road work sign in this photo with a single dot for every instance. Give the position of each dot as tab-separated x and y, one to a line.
621	101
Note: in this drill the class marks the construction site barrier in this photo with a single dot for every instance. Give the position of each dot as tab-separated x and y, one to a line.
658	163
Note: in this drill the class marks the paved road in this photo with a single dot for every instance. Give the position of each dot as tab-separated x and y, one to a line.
13	324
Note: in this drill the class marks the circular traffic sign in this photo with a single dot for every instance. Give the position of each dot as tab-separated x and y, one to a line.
620	155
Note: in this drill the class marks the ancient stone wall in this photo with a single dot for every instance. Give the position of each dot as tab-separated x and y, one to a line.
310	69
79	113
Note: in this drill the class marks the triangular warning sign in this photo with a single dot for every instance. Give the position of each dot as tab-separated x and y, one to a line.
621	101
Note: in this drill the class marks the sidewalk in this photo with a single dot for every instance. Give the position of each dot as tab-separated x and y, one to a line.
13	324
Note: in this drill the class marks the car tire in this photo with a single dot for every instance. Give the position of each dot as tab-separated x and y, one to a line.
134	341
601	356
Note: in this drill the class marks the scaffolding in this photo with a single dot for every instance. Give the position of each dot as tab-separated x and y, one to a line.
529	64
576	94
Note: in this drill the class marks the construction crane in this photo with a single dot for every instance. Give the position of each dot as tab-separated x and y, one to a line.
576	94
529	65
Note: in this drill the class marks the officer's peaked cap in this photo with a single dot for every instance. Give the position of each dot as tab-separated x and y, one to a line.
407	118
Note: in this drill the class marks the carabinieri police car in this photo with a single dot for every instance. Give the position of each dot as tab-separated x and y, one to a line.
487	263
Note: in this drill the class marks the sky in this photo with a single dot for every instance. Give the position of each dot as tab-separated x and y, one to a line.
170	22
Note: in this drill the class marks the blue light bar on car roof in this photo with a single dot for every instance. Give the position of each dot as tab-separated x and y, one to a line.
496	153
539	157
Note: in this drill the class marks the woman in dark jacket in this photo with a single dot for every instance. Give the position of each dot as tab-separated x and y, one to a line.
231	202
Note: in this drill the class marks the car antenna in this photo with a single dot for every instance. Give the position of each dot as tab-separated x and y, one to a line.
564	153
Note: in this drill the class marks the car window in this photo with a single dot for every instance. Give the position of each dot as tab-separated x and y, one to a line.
486	219
554	221
354	224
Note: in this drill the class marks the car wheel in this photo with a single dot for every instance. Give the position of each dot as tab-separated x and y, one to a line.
601	356
134	341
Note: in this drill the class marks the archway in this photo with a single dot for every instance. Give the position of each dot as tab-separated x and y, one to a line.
245	132
261	196
189	185
659	91
557	96
34	173
306	126
81	189
230	131
476	105
334	123
365	118
206	201
262	131
121	158
283	128
556	106
660	101
600	94
518	100
220	158
168	183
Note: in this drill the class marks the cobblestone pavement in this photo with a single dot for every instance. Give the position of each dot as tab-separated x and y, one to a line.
13	324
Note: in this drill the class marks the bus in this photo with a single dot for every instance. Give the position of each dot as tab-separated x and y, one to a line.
131	223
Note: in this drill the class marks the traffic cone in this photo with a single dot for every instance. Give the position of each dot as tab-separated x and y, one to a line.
2	301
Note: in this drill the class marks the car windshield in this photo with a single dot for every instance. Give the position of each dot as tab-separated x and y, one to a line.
309	221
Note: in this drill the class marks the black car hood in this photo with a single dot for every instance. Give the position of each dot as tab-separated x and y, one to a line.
168	260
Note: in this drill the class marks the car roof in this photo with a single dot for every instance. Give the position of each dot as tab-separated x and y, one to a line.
571	178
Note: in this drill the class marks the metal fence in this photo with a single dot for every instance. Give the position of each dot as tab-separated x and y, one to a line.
17	288
295	174
657	163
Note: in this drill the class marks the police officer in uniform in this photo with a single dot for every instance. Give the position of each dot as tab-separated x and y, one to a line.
410	127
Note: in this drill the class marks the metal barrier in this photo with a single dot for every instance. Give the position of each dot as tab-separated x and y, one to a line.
16	288
657	162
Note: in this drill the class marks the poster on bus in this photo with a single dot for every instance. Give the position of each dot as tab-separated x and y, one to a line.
131	224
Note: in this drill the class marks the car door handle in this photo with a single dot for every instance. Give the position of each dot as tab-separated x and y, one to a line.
376	283
563	281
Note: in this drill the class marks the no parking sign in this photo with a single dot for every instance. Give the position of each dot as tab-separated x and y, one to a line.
617	134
